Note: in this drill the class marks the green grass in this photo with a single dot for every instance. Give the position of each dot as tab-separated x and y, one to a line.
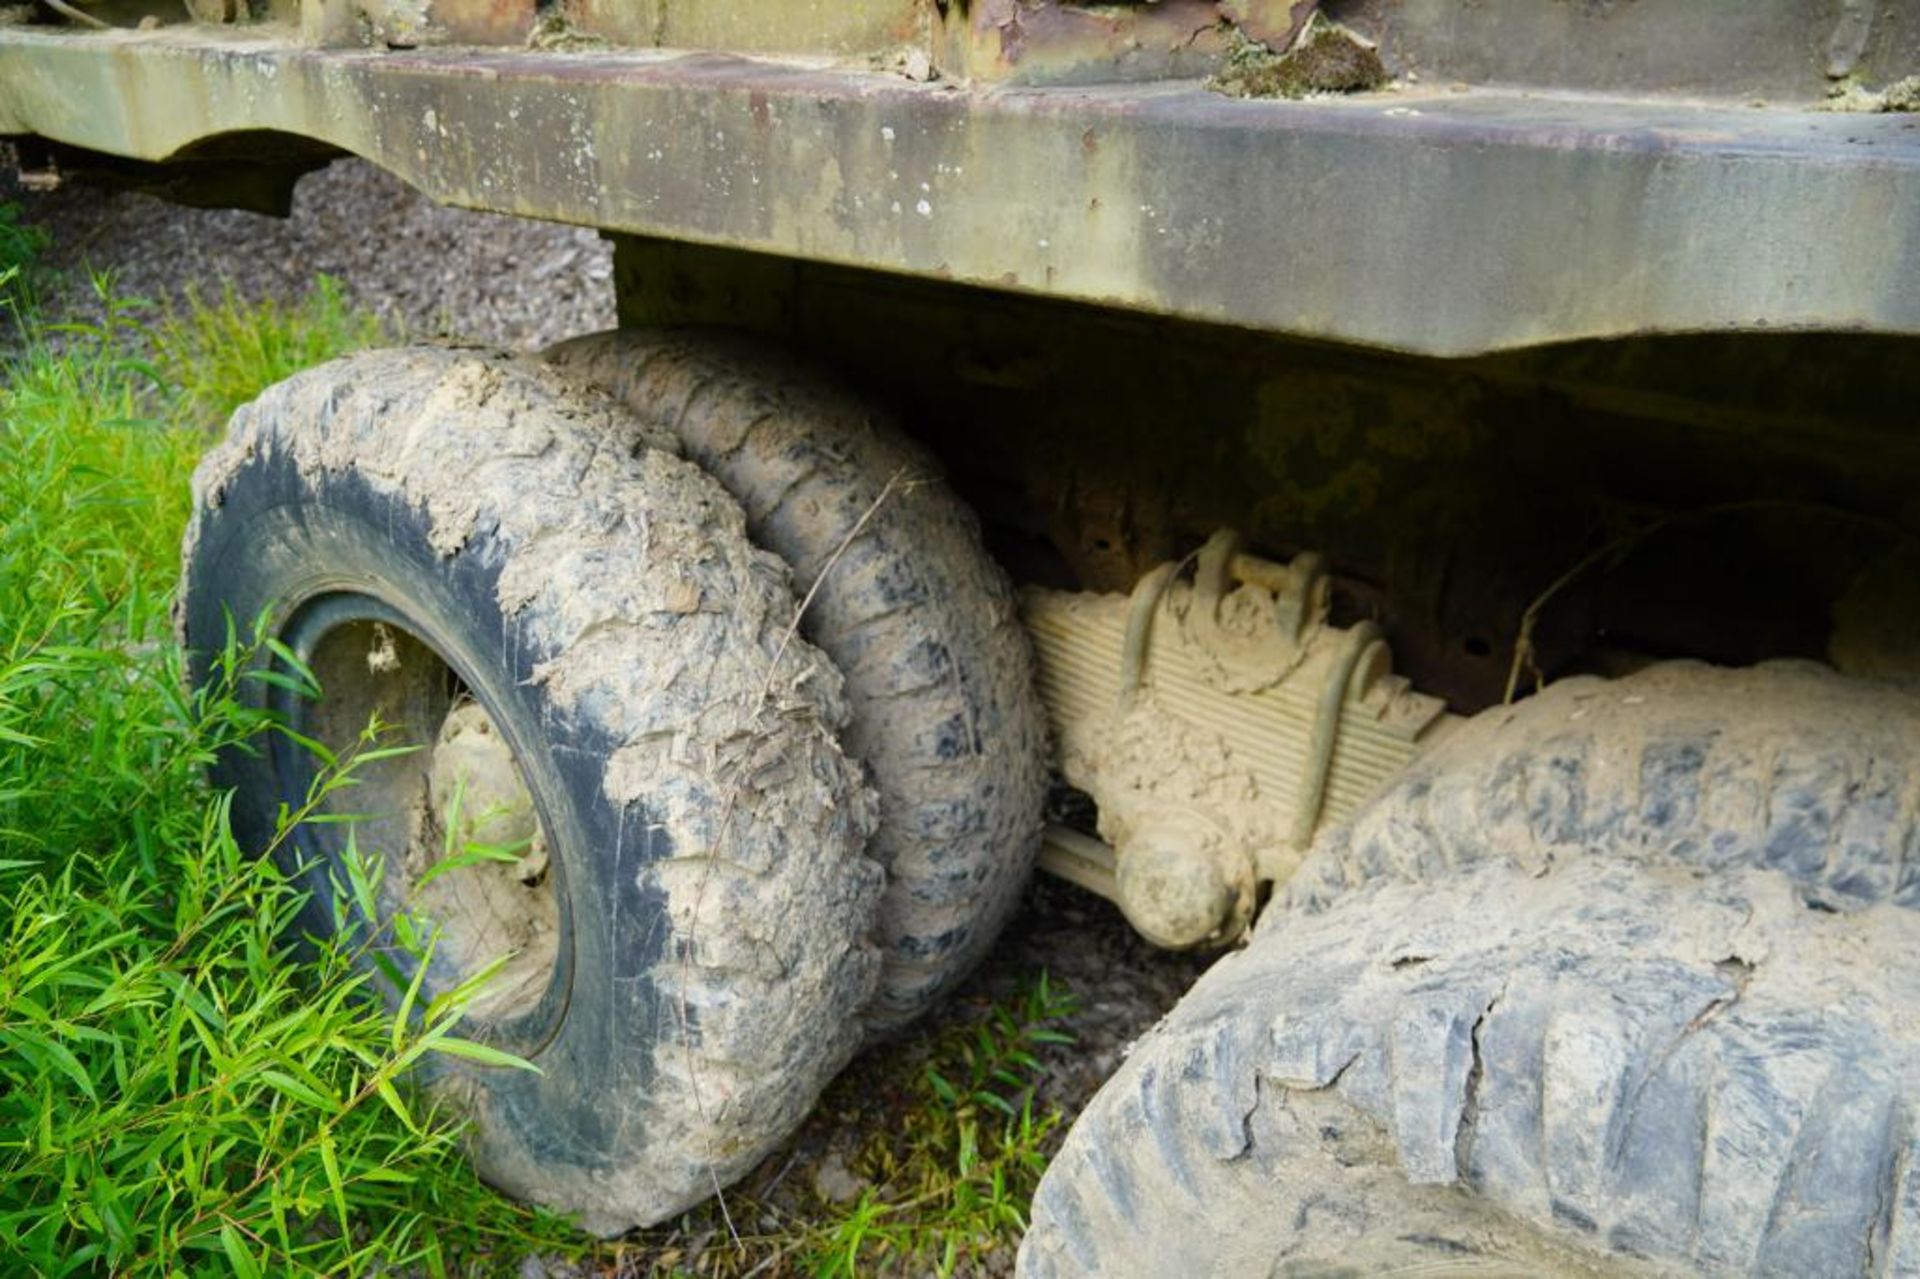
182	1094
941	1138
950	1187
178	1093
218	353
21	243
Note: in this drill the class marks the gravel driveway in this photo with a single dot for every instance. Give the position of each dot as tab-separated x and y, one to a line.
499	280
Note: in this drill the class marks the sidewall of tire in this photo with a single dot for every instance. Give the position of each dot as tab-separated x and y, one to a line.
278	540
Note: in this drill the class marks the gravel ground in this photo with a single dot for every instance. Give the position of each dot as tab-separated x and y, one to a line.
437	272
525	284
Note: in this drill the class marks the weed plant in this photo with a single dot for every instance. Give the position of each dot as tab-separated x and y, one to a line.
949	1141
950	1186
179	1094
21	244
219	351
182	1092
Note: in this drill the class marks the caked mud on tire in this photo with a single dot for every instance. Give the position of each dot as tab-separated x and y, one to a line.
905	602
1786	765
599	597
1607	1069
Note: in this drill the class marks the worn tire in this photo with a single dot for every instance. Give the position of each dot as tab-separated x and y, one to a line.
1785	765
1609	1068
600	598
913	612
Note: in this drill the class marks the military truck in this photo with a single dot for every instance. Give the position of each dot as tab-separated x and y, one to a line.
1415	495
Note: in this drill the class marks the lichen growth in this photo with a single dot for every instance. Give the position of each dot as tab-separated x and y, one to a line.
1326	57
397	24
1853	97
552	33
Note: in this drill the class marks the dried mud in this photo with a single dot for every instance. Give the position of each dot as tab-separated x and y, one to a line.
523	284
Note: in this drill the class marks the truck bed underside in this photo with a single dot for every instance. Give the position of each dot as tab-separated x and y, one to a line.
1435	219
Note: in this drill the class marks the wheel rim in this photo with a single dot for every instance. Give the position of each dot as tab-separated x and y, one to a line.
414	810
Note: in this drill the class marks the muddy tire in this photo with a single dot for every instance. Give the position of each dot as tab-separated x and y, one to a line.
1786	765
904	601
1609	1069
599	598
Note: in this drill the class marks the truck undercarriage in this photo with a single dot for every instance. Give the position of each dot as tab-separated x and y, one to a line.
1334	382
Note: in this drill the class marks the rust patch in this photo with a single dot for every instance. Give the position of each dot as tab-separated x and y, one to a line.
838	28
483	21
1045	42
1274	23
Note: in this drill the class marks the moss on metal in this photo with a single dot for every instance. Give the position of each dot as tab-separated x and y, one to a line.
1325	57
1852	96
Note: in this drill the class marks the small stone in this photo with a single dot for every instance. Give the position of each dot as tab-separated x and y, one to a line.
918	66
682	597
834	1182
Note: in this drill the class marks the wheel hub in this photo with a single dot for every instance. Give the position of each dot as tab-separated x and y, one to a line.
478	862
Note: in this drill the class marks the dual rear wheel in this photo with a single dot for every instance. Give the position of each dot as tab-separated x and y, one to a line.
717	842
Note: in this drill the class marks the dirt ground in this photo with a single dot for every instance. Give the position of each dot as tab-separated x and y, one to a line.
481	277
